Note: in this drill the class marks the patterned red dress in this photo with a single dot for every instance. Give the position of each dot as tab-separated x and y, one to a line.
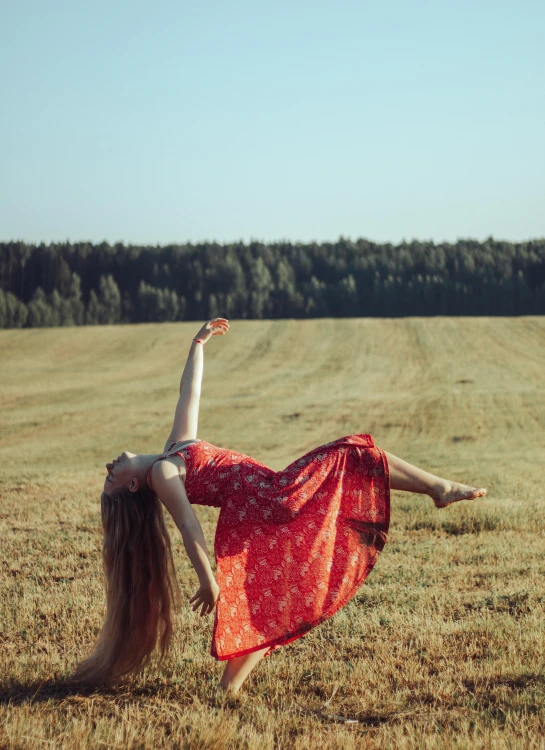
291	546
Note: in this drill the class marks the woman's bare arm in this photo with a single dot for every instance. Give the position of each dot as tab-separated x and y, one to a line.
186	416
168	486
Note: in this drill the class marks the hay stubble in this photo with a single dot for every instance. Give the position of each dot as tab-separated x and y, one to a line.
442	646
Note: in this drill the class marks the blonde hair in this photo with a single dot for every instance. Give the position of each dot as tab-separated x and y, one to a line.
141	587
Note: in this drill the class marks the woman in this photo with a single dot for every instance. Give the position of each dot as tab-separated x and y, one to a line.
291	547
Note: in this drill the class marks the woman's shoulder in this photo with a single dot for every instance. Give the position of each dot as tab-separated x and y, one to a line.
179	442
165	468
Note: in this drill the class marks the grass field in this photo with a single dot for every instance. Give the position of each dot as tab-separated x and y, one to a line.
443	646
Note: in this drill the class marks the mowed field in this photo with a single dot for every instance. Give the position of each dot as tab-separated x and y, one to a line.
442	647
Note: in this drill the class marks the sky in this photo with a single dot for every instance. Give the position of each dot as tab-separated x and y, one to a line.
171	122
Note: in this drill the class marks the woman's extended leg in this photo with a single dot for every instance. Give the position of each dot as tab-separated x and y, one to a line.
237	669
409	478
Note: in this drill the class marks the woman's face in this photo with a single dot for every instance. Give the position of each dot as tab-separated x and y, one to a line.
120	471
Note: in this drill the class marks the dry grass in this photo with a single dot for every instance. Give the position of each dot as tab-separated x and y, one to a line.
443	647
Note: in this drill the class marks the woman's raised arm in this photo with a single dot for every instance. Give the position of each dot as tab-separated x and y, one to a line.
186	416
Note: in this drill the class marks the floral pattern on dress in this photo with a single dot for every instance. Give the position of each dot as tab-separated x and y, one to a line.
291	546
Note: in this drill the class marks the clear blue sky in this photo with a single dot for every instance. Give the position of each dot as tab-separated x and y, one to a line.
169	121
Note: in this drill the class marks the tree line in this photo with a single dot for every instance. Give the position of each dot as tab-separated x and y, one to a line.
87	284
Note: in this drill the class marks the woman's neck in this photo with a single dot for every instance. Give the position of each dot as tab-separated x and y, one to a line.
143	463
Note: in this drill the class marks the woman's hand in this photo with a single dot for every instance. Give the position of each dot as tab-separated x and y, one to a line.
214	327
206	595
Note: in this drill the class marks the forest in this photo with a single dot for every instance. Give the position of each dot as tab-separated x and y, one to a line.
66	284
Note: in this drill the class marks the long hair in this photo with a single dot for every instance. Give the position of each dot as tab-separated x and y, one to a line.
141	587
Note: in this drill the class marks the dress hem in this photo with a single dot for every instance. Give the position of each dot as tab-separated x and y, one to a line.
296	634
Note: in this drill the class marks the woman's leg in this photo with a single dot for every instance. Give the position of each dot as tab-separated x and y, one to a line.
237	669
409	478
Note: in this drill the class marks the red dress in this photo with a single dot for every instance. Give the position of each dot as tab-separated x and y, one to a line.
291	546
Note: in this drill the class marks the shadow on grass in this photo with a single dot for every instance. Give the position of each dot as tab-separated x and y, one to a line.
462	526
518	682
483	691
493	702
14	693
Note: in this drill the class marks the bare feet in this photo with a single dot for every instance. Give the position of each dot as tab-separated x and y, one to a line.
224	695
451	492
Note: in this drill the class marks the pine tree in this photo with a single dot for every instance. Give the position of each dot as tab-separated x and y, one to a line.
13	312
110	300
77	308
40	312
156	305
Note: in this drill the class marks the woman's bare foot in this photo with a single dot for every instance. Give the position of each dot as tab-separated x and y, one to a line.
451	492
225	696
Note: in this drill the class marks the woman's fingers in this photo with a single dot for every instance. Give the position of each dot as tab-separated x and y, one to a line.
200	603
